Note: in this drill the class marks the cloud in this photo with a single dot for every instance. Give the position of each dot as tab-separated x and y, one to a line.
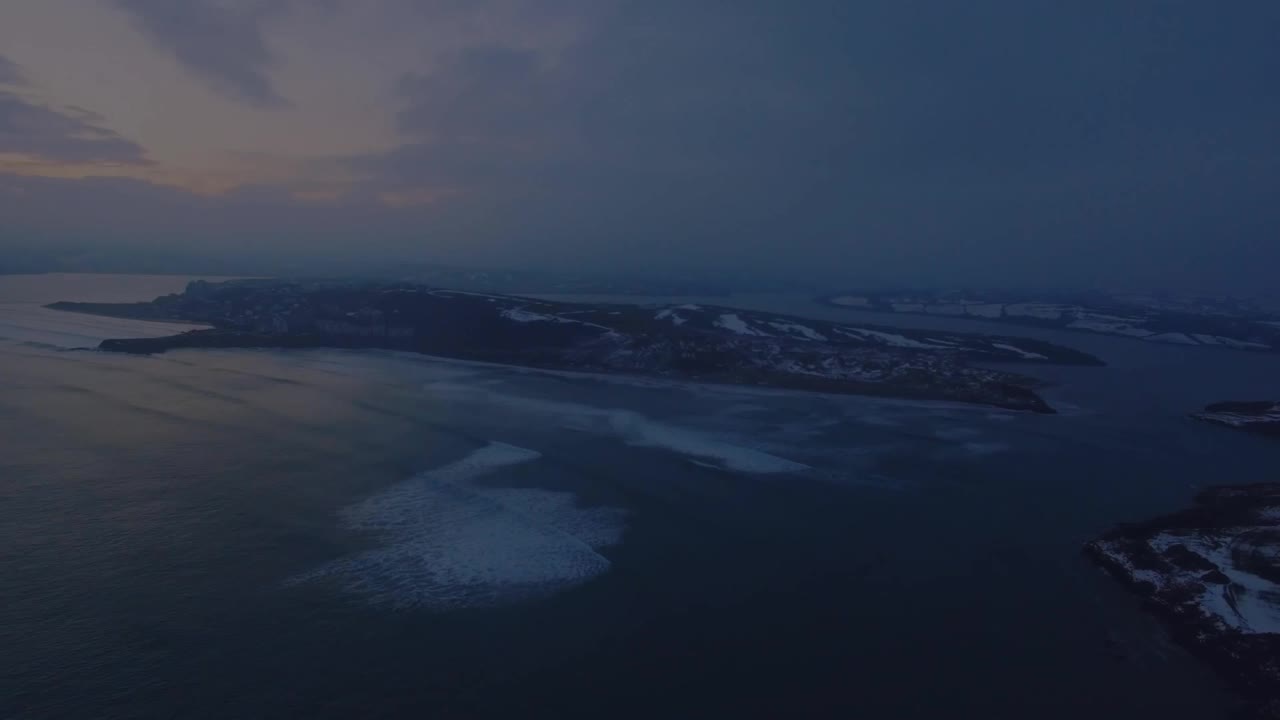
73	136
682	136
11	73
486	93
1008	142
997	141
220	42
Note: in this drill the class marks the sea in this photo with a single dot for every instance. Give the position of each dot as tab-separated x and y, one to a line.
360	534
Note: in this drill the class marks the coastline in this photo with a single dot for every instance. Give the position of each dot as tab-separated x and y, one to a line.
1027	399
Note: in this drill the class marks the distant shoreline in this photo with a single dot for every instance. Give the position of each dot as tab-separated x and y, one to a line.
692	343
1226	326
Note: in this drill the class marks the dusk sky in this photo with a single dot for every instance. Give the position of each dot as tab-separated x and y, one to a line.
997	142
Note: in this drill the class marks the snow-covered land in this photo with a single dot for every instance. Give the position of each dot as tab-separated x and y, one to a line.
1260	416
1212	573
1210	322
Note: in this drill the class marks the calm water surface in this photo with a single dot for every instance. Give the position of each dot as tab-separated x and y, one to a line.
338	534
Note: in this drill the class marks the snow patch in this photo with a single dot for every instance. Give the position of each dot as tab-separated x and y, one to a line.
886	338
1175	338
1242	344
524	316
1024	354
491	298
806	332
1249	604
1111	328
670	313
733	323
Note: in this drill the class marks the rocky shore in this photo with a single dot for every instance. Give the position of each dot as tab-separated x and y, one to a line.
1211	572
1261	416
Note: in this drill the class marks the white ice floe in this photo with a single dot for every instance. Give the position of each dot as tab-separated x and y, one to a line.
629	426
448	542
640	431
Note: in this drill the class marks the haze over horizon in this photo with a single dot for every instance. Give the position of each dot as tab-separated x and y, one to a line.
995	142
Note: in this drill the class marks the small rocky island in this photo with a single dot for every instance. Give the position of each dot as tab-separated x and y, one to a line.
1262	416
1212	573
695	342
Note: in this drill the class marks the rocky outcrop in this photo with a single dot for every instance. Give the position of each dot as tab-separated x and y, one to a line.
1261	416
1212	573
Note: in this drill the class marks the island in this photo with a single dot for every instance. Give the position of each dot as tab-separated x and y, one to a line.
1193	320
1212	573
702	343
1259	416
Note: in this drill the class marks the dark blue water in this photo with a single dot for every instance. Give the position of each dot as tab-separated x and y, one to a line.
329	534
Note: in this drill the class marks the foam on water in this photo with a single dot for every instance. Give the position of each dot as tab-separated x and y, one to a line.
450	543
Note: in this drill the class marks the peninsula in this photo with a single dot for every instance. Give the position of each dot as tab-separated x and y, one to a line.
694	342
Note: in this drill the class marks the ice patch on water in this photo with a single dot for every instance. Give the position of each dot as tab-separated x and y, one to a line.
450	543
629	426
637	430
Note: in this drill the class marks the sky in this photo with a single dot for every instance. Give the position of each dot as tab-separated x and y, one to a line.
995	143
